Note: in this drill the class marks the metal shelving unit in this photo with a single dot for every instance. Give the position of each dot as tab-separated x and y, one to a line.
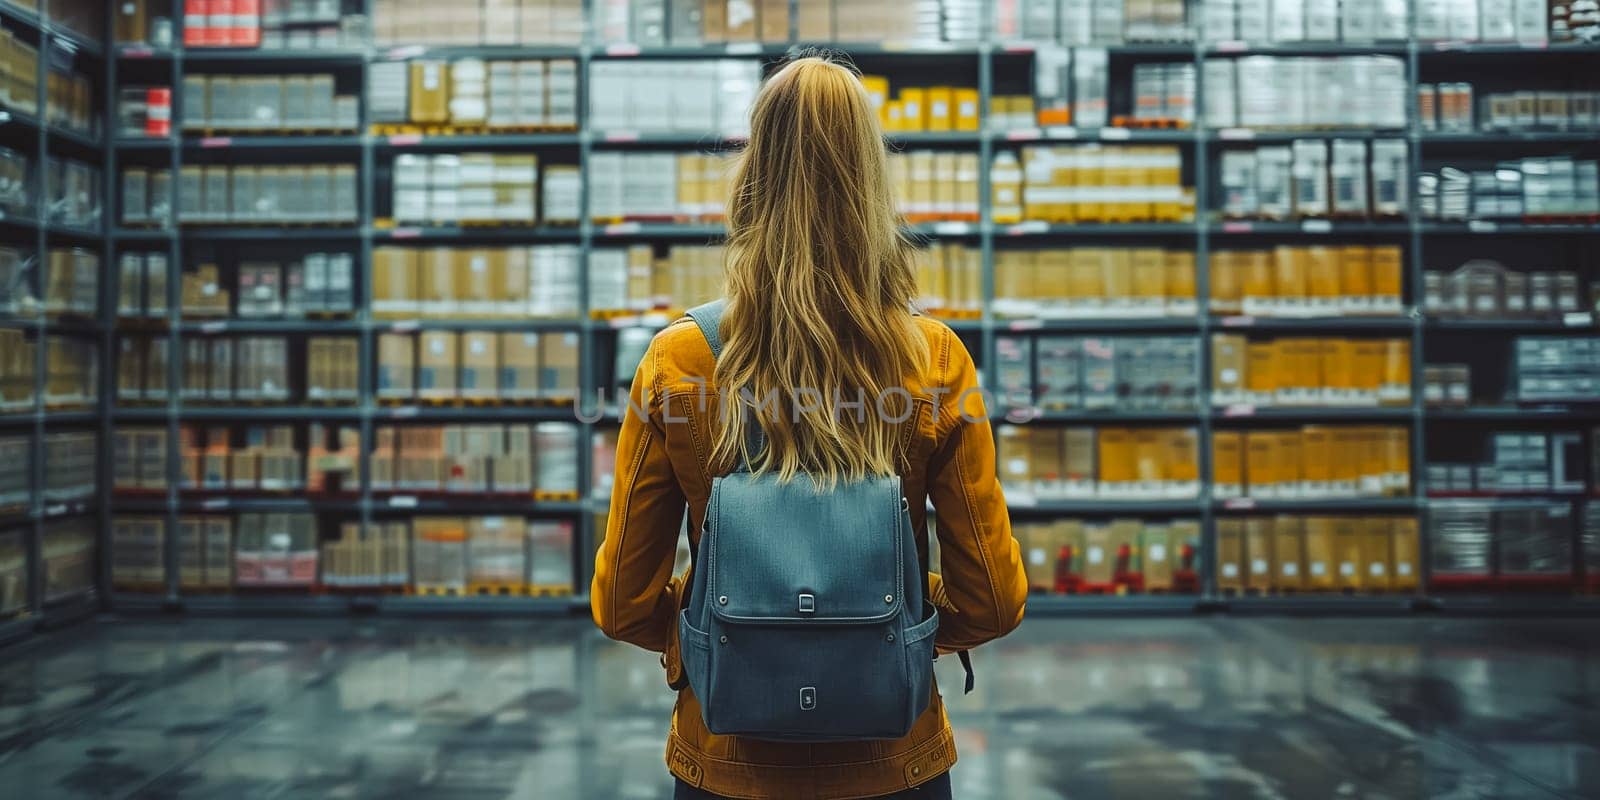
63	48
371	150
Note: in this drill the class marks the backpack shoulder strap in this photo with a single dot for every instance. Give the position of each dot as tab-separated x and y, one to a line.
709	318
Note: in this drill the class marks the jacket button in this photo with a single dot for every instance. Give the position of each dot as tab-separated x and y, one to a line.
723	600
915	771
888	598
722	639
891	637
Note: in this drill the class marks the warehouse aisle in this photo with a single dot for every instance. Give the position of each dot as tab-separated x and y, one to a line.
1228	708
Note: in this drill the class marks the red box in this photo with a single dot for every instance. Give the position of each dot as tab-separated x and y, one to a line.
196	22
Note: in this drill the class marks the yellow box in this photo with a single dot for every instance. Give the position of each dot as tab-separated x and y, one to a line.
966	109
941	108
913	110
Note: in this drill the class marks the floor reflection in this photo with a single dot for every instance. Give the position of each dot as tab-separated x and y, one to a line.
1171	708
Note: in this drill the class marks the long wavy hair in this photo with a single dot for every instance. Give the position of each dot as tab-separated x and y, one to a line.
820	282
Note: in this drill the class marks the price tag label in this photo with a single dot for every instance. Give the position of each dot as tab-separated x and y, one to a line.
1232	46
1061	132
405	326
1482	226
1025	228
1236	134
1316	226
1577	319
622	229
622	136
1026	325
1239	411
214	503
1237	227
623	50
1240	504
1018	47
744	49
1024	135
1115	134
211	142
408	51
407	412
213	327
55	511
405	139
403	501
1238	322
405	233
952	228
137	52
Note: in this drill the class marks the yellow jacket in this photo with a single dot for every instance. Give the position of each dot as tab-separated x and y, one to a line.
661	468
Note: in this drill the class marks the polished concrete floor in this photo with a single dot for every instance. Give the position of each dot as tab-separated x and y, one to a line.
1166	708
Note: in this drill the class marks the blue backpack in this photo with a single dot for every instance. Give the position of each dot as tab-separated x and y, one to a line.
806	620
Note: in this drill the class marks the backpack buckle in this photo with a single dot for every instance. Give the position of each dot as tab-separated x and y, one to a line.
808	603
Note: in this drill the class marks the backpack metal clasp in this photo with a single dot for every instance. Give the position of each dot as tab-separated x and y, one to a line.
808	603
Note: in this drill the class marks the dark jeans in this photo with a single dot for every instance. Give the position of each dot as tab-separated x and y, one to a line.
936	789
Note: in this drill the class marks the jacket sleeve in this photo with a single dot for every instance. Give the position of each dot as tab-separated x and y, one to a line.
632	597
979	560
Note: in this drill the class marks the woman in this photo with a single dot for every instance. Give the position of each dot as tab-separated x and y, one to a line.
819	288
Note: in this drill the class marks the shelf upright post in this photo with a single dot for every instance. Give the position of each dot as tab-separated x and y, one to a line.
1202	291
586	537
109	287
41	379
174	377
1414	273
986	215
366	392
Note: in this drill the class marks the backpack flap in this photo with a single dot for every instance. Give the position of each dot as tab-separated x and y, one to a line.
788	554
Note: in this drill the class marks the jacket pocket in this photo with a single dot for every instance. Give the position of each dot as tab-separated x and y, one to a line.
919	659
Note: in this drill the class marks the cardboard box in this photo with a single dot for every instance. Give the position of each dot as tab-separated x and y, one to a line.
1260	564
1230	554
1288	549
480	360
1320	554
437	354
1348	556
558	366
1404	554
1099	555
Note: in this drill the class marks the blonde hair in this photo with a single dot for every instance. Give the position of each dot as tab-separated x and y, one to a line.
820	282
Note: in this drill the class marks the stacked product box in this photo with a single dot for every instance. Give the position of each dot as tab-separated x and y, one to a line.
71	281
1486	289
70	461
1479	544
1447	385
950	279
14	578
1095	282
74	193
1450	107
499	22
656	23
511	366
67	102
1548	369
1310	281
223	369
332	369
1294	554
1072	87
1538	189
313	285
142	369
16	472
139	459
470	94
275	551
709	96
513	282
142	288
1098	372
1078	22
466	188
369	557
18	360
1309	371
267	104
71	371
205	553
1313	178
1520	463
1101	183
1043	463
269	459
656	187
67	552
1525	21
922	108
146	197
935	186
639	279
333	459
262	195
1294	93
138	545
1067	556
477	459
19	73
1312	462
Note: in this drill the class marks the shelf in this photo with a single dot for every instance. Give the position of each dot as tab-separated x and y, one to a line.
1510	137
1325	604
17	628
451	233
1124	48
407	52
630	138
84	417
293	413
1249	135
83	144
1129	229
1035	416
1372	505
142	234
1541	412
501	325
224	233
1081	605
1248	323
1237	48
223	56
1069	133
450	142
474	413
1446	48
283	141
194	500
1313	227
402	501
290	602
1100	325
658	230
77	233
217	327
1578	323
1157	506
1248	413
1509	228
